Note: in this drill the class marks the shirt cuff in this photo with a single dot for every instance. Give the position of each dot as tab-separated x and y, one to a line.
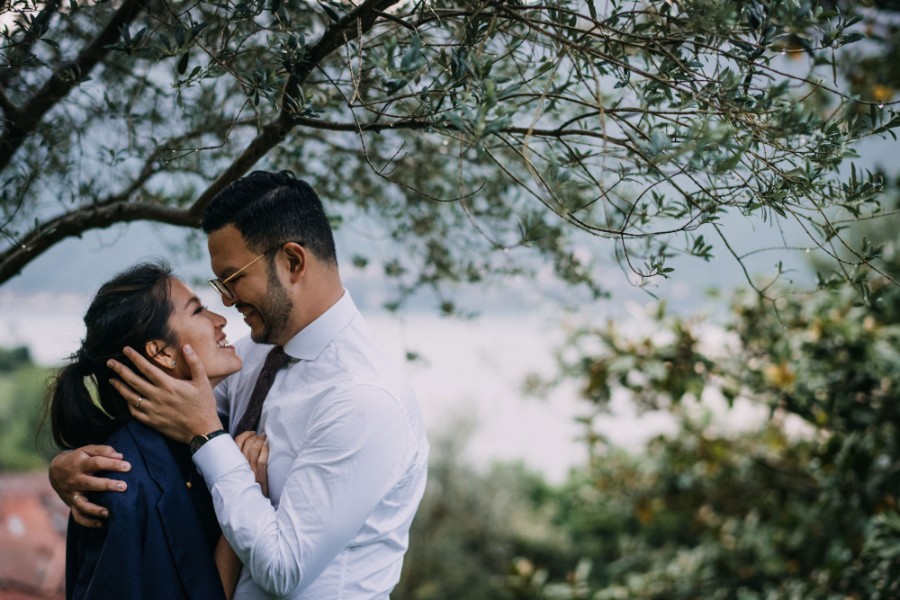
217	457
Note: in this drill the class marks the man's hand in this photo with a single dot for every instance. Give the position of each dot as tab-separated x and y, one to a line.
72	476
179	409
255	449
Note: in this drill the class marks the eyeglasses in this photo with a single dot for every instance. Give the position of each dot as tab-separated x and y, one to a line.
221	285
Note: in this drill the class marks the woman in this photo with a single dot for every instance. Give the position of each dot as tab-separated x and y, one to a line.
162	539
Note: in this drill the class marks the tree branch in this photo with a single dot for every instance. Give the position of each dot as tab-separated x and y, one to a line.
24	121
354	24
19	55
418	124
271	136
80	220
347	29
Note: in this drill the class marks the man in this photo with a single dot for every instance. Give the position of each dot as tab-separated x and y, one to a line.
347	448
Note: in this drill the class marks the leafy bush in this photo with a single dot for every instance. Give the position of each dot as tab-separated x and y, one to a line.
802	504
22	386
473	529
14	358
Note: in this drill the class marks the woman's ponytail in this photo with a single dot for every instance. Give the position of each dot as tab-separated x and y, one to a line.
75	418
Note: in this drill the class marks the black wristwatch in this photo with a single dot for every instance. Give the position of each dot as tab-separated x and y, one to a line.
198	440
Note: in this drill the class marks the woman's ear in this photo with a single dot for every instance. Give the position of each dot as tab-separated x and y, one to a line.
160	353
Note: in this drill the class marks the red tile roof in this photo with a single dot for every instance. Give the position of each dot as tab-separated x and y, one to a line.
32	538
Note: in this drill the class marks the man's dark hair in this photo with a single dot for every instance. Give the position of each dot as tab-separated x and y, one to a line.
270	209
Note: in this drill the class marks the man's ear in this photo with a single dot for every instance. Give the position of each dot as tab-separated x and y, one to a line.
296	257
161	353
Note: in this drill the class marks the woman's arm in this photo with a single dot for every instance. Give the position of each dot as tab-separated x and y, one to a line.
229	566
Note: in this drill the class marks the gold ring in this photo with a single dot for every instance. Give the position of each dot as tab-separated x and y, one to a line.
137	404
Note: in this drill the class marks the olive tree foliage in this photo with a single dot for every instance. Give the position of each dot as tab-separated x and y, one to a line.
461	130
800	502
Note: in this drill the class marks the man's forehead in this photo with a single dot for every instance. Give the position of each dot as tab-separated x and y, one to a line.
226	245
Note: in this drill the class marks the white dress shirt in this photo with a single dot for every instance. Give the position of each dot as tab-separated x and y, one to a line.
347	466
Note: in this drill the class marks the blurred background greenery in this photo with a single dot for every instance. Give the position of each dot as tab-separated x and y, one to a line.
22	388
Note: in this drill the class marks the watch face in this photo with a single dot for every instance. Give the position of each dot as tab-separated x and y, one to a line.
197	442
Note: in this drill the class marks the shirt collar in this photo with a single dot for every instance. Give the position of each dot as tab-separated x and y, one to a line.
312	339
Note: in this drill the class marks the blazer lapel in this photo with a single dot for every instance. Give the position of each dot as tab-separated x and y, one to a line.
177	513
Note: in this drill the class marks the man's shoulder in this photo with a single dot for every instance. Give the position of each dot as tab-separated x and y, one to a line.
369	371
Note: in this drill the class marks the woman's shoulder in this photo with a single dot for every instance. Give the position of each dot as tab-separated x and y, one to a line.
134	441
121	438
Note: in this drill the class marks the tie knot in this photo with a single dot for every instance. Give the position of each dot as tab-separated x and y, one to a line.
276	359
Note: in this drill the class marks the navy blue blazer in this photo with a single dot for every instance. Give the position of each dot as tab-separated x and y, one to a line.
160	537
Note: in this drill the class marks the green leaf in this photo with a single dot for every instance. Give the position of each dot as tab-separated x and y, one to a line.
183	63
895	122
332	14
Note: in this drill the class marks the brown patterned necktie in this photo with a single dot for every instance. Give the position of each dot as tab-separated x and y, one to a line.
274	361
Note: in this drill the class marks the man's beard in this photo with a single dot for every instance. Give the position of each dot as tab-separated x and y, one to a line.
276	312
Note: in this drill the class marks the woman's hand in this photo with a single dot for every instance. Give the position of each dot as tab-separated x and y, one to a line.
256	450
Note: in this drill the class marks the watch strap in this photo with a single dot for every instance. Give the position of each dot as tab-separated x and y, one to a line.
198	440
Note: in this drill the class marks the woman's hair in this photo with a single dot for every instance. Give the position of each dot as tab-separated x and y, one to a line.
129	310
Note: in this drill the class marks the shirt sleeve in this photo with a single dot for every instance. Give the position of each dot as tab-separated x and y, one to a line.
352	453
